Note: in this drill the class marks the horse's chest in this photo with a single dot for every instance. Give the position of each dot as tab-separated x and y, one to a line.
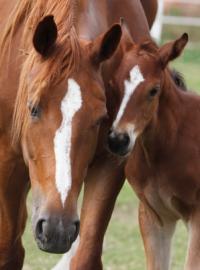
166	200
156	192
171	186
161	199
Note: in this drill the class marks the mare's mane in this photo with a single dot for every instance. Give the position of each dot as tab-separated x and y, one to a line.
63	61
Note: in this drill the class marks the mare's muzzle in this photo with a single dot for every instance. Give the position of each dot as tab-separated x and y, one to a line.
118	143
54	235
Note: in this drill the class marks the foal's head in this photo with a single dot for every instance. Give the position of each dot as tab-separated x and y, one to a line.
140	80
61	103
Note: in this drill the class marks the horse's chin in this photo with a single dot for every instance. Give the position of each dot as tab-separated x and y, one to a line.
54	249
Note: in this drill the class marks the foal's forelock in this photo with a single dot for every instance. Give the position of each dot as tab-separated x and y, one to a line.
136	77
70	105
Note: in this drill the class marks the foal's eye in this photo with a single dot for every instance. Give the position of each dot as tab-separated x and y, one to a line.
153	92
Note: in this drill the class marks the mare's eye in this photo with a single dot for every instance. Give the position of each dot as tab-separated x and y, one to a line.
153	92
35	111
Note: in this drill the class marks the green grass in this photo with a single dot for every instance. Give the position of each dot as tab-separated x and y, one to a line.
189	65
123	248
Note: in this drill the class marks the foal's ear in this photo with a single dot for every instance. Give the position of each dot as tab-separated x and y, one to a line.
105	45
172	50
126	35
45	35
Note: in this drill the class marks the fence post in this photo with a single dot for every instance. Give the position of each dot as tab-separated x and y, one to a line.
156	31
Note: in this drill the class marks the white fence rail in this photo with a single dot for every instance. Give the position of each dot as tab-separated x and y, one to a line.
191	21
189	2
161	19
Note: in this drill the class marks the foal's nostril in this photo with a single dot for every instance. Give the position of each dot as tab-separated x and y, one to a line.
125	139
110	132
118	143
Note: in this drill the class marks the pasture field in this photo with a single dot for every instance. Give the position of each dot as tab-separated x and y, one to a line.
123	248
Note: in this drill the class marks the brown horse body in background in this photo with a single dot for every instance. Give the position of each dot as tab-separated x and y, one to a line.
161	125
105	176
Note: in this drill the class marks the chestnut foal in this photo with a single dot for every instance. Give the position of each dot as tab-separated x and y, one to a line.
52	101
157	125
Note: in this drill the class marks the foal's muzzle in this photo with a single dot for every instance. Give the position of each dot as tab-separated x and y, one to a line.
118	143
54	236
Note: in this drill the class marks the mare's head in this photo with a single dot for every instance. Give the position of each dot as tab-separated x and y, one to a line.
140	81
59	108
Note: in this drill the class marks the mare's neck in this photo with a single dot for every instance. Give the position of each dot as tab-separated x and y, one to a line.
92	19
95	17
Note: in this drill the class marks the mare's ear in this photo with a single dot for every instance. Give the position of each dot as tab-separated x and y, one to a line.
45	35
172	50
104	46
127	41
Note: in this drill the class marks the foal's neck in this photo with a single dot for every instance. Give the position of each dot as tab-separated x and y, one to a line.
170	104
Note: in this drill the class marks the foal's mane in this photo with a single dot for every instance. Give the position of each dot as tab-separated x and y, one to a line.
59	65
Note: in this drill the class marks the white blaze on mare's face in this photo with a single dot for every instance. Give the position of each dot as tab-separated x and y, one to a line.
136	78
70	104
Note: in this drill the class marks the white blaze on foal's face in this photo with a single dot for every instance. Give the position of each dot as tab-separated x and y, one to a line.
130	86
70	104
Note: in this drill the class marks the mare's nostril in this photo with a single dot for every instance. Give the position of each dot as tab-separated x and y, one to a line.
40	229
74	231
56	235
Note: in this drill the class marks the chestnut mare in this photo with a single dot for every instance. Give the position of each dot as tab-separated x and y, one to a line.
158	125
105	176
52	101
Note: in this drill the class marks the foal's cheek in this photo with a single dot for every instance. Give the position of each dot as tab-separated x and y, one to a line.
151	109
